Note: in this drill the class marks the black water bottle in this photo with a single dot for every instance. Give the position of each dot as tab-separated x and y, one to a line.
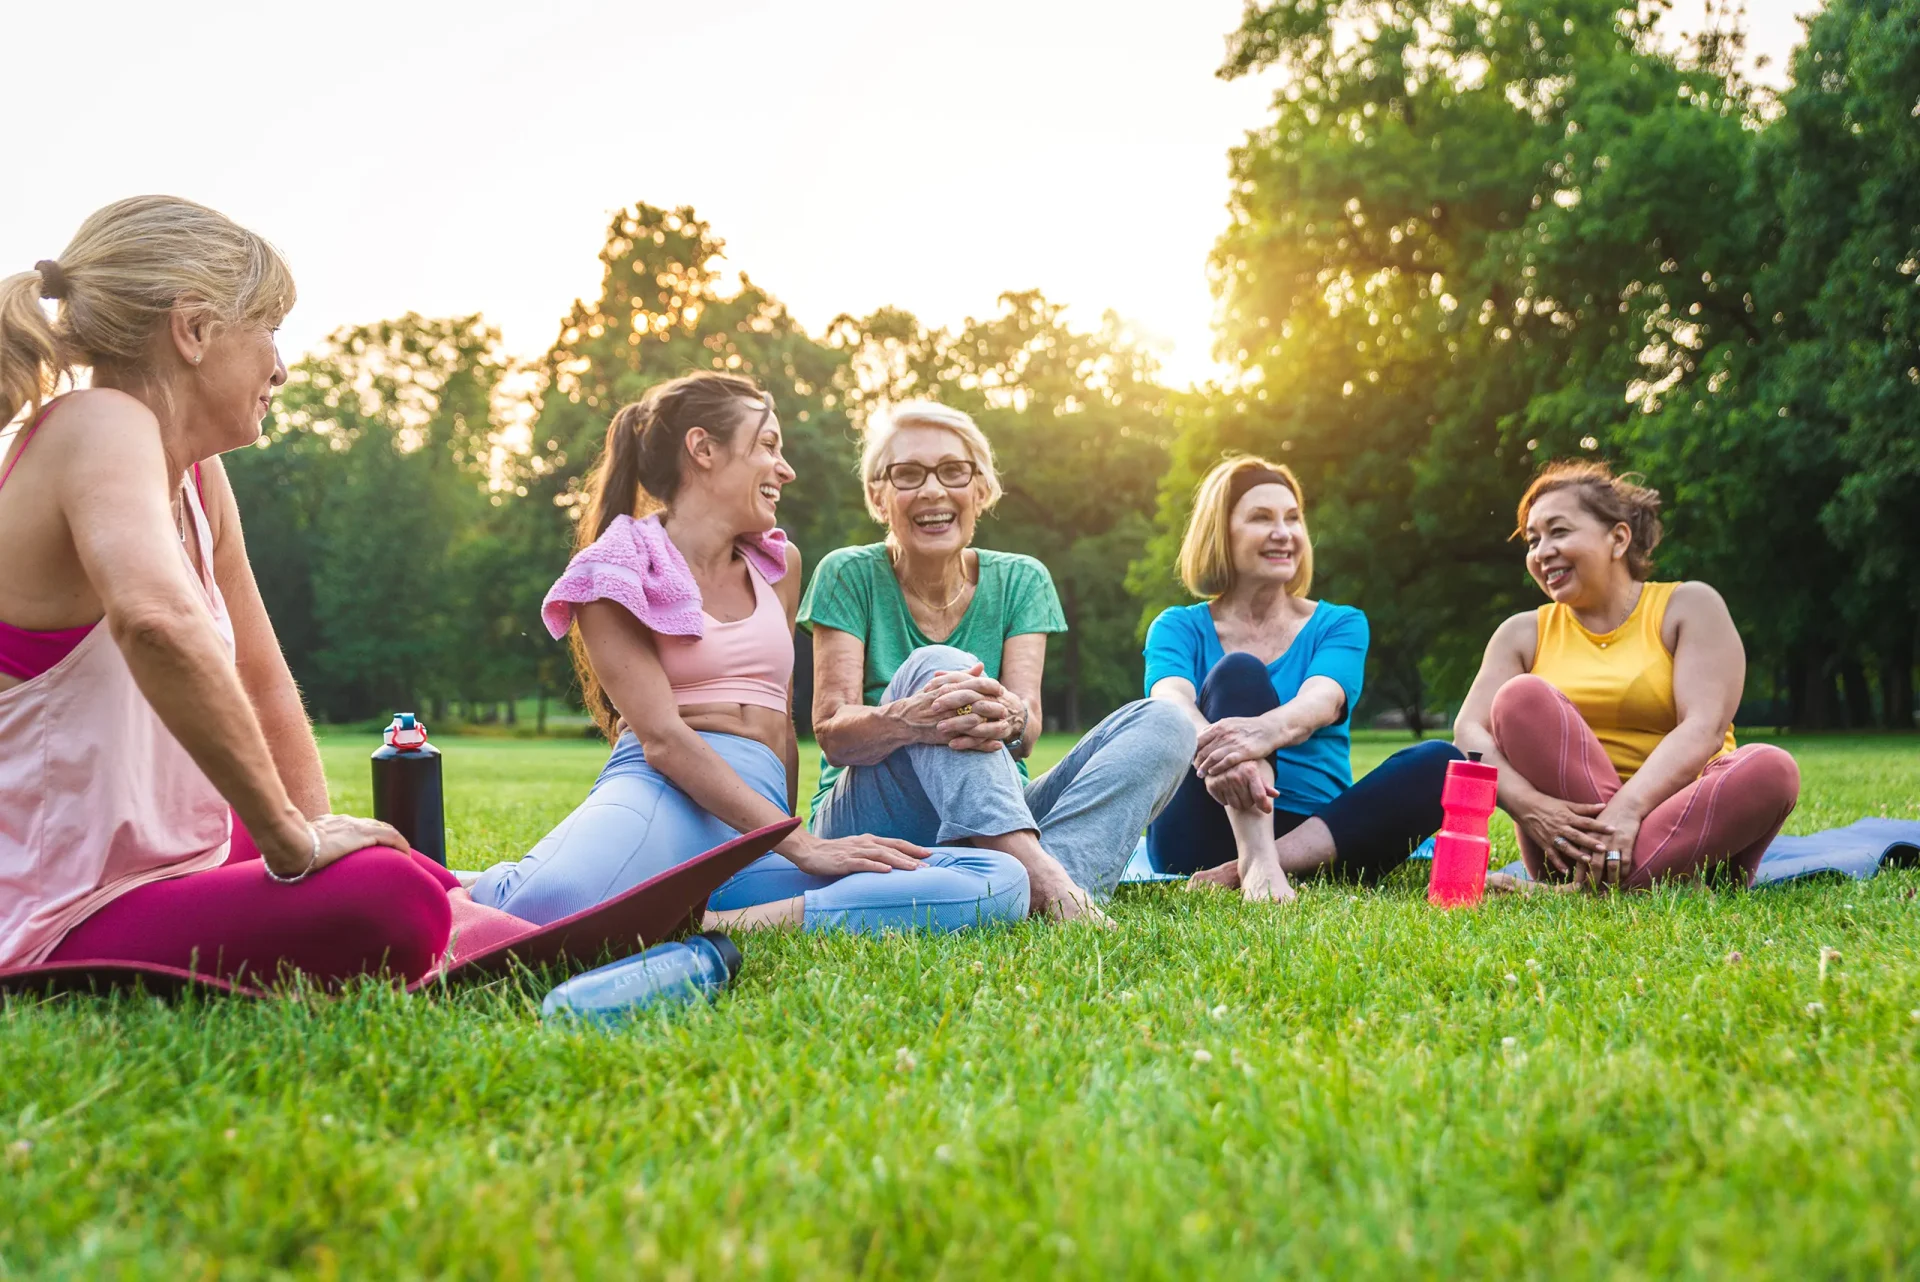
406	787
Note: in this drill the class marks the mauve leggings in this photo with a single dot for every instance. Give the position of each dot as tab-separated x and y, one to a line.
375	910
1730	814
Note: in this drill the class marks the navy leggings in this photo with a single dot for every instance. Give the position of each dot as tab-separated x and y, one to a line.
1375	824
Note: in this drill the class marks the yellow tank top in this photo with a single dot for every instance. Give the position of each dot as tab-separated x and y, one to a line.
1620	681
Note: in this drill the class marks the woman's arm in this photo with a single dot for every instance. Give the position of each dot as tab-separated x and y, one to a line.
788	592
114	490
849	732
1232	740
1709	674
263	668
1023	664
622	652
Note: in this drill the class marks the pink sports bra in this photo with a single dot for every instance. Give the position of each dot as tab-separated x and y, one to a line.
748	661
26	654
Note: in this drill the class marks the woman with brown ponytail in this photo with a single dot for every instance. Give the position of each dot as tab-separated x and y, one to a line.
161	798
681	601
1609	710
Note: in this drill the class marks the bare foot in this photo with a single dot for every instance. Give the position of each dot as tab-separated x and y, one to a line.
1265	883
1224	877
1069	903
1501	883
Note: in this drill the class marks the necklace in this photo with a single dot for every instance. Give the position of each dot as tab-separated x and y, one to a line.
965	583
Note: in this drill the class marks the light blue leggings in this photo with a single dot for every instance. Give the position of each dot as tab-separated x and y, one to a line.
636	824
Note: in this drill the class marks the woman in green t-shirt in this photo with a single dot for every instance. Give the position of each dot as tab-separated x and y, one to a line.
927	657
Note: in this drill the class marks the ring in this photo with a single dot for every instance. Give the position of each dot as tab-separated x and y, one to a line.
966	710
1613	856
1559	841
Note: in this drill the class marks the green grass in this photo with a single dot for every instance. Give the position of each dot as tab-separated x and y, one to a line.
1357	1085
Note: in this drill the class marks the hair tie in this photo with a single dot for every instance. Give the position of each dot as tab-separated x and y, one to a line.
53	281
1250	477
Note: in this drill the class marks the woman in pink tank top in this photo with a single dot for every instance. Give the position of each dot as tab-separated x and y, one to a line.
161	796
680	601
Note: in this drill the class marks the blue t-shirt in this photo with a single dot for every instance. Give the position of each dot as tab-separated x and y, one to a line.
1183	643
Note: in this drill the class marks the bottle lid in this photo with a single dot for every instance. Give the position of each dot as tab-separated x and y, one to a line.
729	952
406	732
1473	756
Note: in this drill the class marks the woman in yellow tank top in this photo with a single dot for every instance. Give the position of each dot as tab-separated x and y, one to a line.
1609	710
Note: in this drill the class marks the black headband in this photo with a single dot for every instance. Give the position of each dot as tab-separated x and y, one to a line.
1244	481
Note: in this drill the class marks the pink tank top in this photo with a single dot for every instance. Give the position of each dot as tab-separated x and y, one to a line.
748	661
25	653
96	796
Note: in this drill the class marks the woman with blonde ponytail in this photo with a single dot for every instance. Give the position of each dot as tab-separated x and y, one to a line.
682	630
161	797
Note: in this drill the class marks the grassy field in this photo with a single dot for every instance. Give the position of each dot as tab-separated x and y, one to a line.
1673	1084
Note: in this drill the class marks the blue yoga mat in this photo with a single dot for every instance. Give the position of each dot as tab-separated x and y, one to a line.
1859	850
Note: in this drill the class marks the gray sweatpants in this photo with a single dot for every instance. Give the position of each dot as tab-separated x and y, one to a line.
1089	810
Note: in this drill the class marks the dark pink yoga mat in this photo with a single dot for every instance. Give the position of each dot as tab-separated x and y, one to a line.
639	918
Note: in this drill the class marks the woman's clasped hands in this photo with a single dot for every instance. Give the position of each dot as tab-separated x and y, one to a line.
968	711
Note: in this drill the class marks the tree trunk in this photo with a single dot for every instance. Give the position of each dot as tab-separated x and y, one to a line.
1818	703
1859	697
1071	644
1416	713
439	708
513	712
1896	685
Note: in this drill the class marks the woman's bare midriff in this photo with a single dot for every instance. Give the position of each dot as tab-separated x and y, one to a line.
762	725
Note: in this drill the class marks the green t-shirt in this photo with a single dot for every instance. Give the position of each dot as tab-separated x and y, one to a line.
854	590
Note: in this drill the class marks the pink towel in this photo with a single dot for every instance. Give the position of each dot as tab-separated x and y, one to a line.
635	564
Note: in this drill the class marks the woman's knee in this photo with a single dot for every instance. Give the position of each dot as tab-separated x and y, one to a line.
1160	734
919	668
383	903
1770	773
1426	762
1523	701
1237	686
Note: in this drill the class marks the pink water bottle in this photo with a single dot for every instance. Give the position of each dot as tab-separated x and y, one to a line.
1460	848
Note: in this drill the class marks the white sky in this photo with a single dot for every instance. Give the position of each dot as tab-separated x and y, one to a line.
448	158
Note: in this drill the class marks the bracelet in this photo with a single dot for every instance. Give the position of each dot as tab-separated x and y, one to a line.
313	857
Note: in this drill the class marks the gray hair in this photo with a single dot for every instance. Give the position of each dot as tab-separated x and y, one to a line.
877	450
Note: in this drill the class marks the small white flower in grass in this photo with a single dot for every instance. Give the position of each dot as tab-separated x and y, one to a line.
19	1148
903	1061
1533	963
1508	1043
1514	980
1220	1011
979	968
879	1167
1202	1055
943	1154
1020	990
1127	995
1816	1009
1914	1015
230	1132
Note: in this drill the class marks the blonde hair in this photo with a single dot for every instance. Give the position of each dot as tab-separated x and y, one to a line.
1613	500
877	450
114	284
1206	552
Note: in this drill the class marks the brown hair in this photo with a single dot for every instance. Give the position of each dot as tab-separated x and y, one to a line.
639	471
1612	500
126	268
1206	554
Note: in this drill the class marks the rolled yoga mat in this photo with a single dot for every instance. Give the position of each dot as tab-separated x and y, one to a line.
1859	850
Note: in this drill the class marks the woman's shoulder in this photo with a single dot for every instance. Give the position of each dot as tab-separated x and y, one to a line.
1180	618
1334	617
1016	565
857	558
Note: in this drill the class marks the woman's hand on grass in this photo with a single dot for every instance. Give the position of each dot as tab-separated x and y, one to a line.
838	856
1232	741
1242	787
1565	831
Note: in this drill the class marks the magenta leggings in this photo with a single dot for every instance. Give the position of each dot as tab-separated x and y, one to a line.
375	910
1729	815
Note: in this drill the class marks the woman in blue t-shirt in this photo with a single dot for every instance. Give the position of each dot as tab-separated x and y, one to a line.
1269	679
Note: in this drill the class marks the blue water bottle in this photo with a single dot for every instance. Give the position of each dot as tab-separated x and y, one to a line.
679	972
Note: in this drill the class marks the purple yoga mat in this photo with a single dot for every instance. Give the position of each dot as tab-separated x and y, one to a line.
625	924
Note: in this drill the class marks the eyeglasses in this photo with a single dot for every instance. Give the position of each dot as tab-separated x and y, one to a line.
954	473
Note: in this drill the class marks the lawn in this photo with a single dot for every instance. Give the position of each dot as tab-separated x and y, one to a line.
1672	1084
